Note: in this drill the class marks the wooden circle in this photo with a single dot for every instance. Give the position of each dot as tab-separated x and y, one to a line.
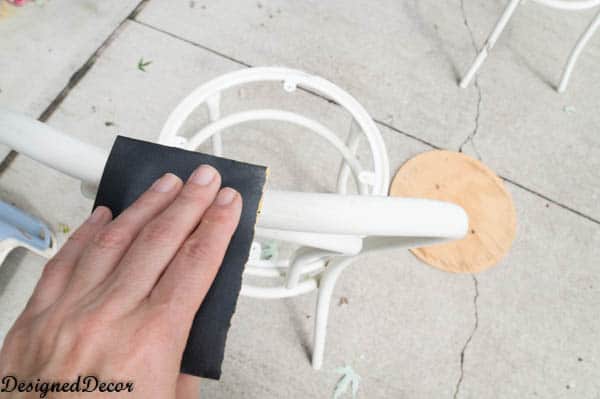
455	177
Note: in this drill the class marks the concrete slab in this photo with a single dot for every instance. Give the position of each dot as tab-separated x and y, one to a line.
537	325
45	43
398	57
403	59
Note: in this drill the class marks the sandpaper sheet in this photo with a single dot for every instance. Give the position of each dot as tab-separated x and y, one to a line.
131	168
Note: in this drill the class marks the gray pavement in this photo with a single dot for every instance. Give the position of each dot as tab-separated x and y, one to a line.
527	328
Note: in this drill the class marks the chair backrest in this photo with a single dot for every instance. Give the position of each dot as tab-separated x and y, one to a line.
374	181
368	182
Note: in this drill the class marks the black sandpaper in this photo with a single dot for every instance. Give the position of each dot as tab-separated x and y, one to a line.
131	168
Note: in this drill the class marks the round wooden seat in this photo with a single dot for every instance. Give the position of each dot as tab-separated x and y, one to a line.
458	178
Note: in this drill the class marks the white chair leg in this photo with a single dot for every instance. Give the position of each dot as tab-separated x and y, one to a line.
585	37
325	292
490	42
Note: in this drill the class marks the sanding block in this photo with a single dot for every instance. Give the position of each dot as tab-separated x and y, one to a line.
131	168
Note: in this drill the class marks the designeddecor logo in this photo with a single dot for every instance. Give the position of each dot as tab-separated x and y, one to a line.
85	384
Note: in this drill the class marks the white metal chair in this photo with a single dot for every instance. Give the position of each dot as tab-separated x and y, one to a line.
567	5
328	230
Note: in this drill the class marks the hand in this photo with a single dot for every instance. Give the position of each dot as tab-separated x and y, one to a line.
117	301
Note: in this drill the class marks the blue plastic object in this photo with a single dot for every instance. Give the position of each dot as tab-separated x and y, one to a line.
18	225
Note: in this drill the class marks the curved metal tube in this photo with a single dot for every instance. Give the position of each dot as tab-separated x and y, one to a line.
508	13
352	143
489	43
59	151
326	286
570	5
278	292
291	79
585	37
276	115
297	213
305	259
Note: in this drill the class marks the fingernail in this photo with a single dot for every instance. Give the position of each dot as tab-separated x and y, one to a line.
203	175
225	196
98	214
166	183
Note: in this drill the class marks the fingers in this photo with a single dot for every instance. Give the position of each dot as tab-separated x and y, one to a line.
191	273
58	270
109	245
188	387
159	241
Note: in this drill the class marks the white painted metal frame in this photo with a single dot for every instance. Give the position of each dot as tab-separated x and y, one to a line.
313	266
566	5
330	229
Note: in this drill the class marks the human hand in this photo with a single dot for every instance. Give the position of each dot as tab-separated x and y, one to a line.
118	300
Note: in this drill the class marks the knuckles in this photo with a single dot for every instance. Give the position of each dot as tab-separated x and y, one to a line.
220	218
78	331
219	225
16	335
56	265
79	236
148	200
197	194
159	231
197	248
112	237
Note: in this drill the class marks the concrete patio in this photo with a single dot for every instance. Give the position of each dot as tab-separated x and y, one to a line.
528	328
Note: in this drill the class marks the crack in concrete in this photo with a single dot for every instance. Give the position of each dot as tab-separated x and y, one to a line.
471	137
468	341
466	23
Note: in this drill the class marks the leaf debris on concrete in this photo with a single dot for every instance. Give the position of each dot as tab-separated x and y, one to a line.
143	64
349	379
64	228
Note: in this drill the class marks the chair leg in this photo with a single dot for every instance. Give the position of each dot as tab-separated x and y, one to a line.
325	292
585	37
490	42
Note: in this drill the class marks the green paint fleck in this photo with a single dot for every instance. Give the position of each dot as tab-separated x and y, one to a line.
270	250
